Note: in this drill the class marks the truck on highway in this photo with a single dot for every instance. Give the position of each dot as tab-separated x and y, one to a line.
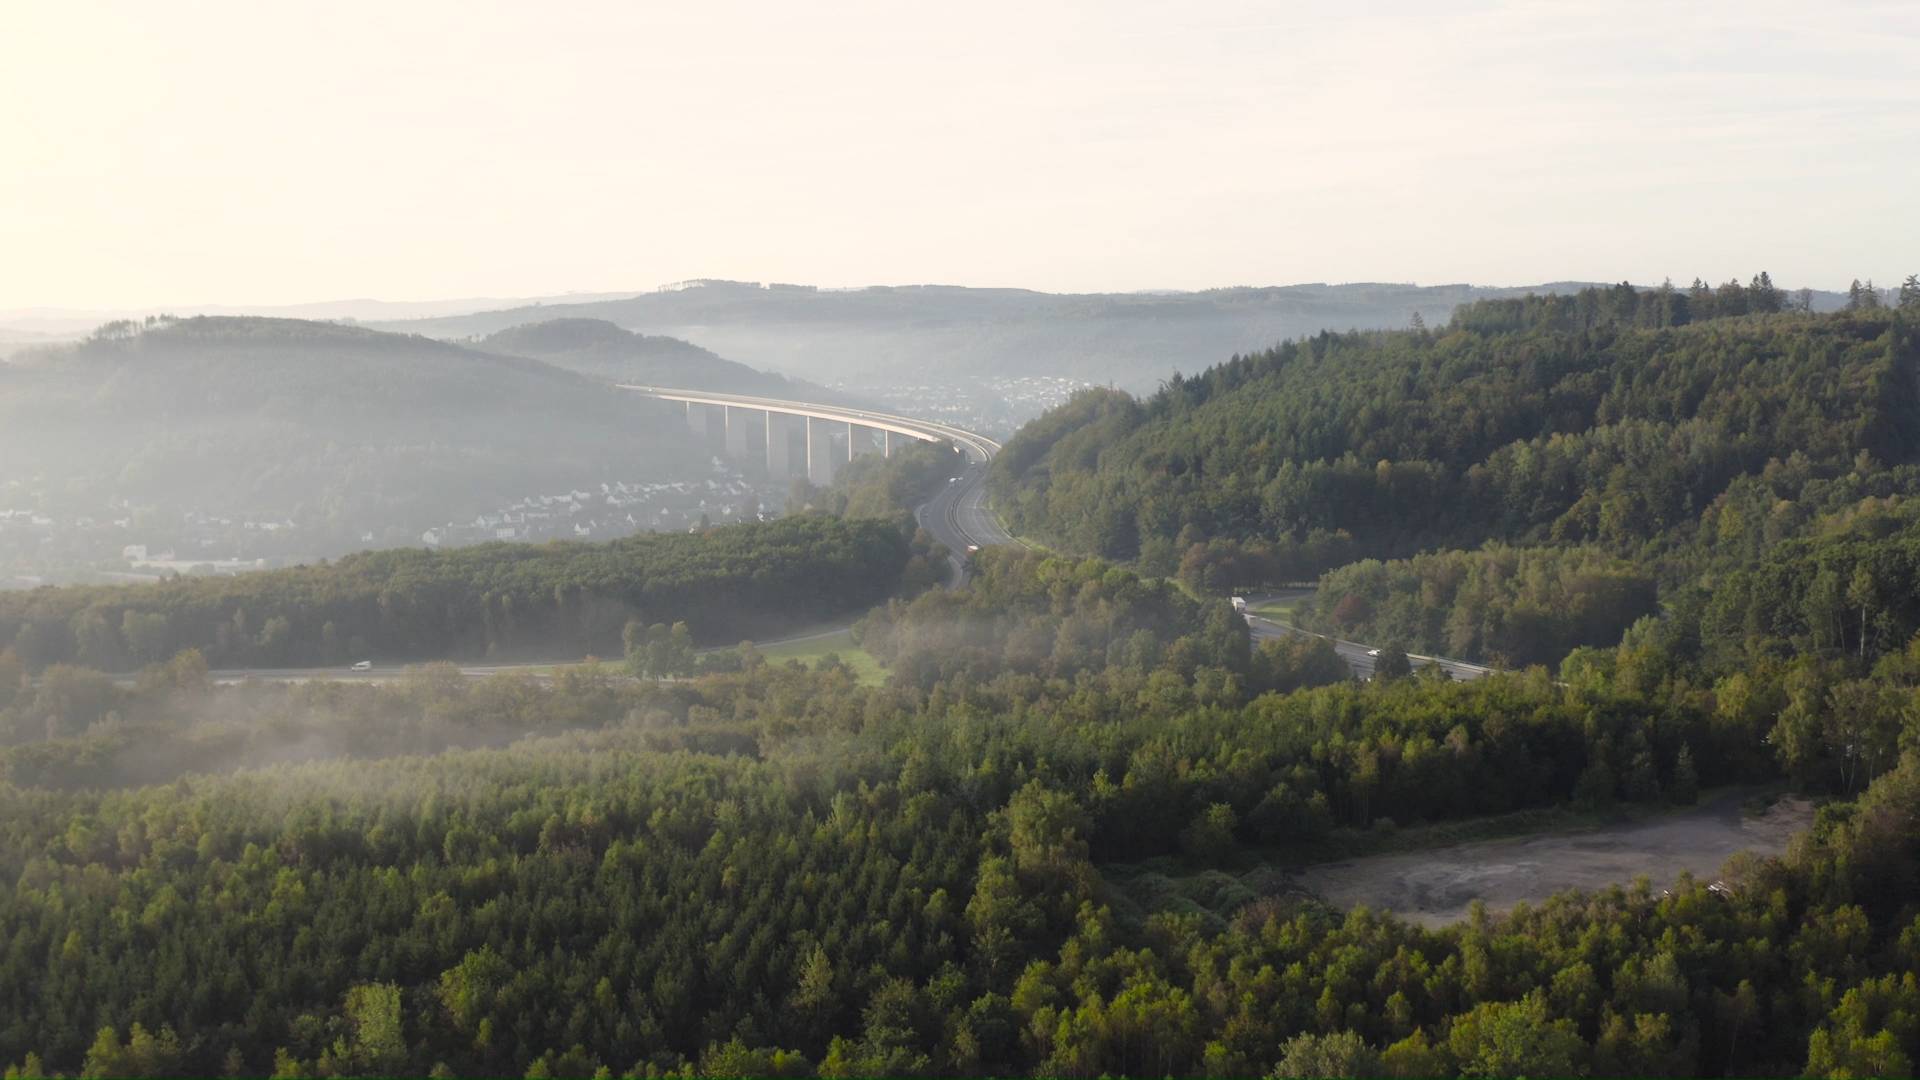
1240	604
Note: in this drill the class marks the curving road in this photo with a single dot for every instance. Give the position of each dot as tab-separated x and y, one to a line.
1359	657
958	517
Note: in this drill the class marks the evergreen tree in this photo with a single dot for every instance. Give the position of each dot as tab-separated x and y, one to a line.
1910	293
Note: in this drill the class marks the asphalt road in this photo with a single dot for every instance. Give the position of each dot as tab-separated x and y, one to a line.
540	669
384	673
1358	656
958	516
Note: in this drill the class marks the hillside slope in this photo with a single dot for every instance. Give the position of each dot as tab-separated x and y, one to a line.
332	426
1528	424
600	349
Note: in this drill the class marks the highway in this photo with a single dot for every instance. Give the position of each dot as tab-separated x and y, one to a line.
957	515
539	669
1358	656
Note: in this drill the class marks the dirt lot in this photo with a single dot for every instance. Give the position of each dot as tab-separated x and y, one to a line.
1435	887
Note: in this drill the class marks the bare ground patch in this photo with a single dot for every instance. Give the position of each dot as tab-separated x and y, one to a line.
1436	887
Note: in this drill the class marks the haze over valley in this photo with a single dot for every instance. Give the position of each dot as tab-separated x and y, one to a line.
218	442
1203	540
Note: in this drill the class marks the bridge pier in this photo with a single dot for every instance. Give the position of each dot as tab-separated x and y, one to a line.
859	440
779	446
819	454
709	424
735	419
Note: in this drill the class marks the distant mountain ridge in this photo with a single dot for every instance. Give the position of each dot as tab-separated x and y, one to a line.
896	333
76	322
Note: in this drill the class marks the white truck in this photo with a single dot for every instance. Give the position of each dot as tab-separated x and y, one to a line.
1240	604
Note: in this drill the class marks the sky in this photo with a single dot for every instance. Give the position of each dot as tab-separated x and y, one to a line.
264	153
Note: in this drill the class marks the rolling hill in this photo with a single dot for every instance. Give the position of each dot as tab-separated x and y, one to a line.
339	428
602	350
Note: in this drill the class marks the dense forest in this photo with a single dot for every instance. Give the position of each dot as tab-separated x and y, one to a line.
1030	614
779	871
489	600
1635	423
1062	837
1515	423
1516	606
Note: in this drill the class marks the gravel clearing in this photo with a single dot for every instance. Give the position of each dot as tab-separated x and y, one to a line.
1435	887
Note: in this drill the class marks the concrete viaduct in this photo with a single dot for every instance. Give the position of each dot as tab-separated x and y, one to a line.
790	433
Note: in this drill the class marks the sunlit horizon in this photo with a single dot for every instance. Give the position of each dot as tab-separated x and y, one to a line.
234	154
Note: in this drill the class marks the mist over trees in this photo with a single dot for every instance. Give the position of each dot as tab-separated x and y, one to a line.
1057	839
685	876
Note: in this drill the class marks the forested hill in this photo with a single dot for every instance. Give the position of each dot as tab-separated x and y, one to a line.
332	426
603	350
488	600
1610	417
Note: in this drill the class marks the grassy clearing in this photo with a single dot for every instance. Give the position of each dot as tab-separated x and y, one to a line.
840	643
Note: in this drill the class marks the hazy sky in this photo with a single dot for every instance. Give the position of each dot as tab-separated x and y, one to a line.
256	152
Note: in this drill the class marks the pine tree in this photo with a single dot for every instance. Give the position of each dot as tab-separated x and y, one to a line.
1700	300
814	998
1910	293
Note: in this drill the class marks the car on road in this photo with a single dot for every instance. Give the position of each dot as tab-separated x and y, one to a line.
953	479
364	665
1373	652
